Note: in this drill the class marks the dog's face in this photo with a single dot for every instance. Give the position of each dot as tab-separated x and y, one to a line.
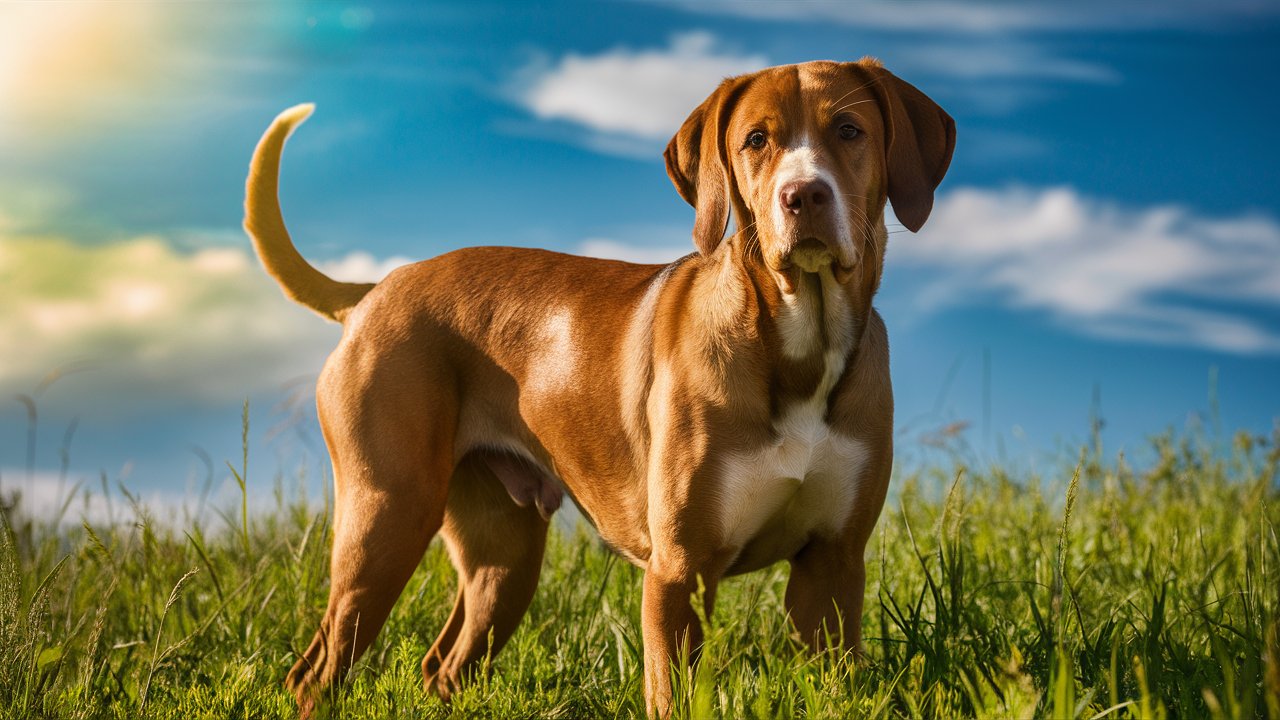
806	156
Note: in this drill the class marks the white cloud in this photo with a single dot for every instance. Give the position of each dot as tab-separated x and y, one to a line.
361	267
625	94
1153	275
614	250
48	497
970	16
1157	274
148	325
629	101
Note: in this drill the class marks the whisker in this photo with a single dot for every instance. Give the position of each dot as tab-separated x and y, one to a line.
859	102
851	196
842	97
867	232
866	84
751	237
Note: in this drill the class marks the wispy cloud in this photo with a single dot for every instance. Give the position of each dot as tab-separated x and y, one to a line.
992	16
1159	274
155	326
1002	60
995	75
624	95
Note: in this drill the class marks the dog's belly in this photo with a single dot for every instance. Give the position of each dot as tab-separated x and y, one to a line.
776	498
539	462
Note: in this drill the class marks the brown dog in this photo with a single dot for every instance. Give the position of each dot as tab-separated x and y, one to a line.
710	417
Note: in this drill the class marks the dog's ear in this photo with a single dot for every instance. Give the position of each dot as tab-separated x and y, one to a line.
699	166
920	139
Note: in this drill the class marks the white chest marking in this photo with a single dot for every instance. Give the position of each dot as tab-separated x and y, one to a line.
804	484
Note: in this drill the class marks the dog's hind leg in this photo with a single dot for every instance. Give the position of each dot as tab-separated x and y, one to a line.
392	463
497	549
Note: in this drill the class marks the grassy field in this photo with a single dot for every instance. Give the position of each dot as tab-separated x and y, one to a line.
1123	593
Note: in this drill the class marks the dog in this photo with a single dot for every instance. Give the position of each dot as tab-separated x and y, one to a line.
710	417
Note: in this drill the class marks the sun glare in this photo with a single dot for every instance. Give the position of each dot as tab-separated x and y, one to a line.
62	63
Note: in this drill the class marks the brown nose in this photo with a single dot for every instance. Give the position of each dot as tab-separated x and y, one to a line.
801	194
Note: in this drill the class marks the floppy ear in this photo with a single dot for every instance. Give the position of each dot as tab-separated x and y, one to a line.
699	167
921	138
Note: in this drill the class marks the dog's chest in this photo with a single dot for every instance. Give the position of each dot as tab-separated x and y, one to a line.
776	497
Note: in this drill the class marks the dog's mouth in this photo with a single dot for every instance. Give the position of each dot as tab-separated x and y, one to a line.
811	256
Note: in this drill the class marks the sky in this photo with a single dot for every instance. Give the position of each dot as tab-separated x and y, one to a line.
1105	245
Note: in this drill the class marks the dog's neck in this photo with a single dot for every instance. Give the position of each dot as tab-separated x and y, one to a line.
736	284
808	336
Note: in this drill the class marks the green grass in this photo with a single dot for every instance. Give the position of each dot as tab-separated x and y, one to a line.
1115	594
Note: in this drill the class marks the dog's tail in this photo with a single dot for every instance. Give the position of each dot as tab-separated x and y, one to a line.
301	282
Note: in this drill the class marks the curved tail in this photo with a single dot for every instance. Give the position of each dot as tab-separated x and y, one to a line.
301	282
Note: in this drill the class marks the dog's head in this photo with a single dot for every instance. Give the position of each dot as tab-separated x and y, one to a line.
806	156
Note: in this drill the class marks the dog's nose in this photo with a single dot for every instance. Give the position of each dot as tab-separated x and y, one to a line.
798	195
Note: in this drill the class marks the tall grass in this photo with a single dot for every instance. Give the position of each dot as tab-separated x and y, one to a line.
1098	592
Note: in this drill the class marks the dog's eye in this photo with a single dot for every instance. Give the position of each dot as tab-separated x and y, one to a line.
849	131
755	140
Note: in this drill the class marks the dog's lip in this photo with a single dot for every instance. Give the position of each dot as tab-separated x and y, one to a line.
788	276
787	266
843	262
784	264
840	264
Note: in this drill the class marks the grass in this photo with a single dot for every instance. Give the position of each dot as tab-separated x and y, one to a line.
1101	592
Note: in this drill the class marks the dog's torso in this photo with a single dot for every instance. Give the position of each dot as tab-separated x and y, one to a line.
619	386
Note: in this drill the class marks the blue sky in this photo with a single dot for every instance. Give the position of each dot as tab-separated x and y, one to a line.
1110	226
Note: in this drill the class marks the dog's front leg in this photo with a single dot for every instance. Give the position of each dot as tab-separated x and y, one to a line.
681	566
828	576
672	630
686	556
824	595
